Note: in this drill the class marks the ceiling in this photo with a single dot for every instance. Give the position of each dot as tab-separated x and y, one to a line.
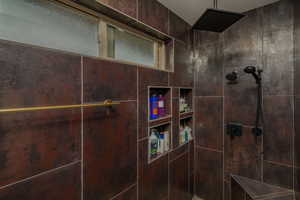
191	10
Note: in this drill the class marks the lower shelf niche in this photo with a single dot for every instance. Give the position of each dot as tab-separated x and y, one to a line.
185	131
159	141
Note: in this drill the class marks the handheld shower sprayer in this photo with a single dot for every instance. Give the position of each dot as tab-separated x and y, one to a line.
257	74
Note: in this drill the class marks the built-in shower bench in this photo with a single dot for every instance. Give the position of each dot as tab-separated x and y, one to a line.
247	189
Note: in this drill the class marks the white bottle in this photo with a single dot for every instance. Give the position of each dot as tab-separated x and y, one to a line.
181	135
167	144
153	144
190	133
161	143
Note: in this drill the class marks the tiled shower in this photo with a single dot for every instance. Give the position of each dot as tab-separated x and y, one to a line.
89	153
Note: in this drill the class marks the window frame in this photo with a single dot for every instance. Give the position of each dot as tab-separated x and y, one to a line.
103	21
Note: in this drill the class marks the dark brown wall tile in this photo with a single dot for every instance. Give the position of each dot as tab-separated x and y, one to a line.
279	175
31	76
60	184
278	62
242	43
154	14
209	122
279	130
179	178
178	152
33	142
179	29
108	80
109	150
191	157
205	37
129	194
153	177
175	124
227	190
128	7
297	131
235	108
297	47
237	193
278	48
243	155
208	68
183	75
278	16
209	174
147	77
297	181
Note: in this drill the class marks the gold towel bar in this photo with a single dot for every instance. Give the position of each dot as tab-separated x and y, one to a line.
106	103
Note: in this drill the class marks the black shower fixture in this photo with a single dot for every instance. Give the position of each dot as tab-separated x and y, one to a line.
257	74
232	77
217	20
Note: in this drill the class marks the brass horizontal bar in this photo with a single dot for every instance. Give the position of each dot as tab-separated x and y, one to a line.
106	103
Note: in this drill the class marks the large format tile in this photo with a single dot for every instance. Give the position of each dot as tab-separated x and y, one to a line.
153	13
183	75
60	184
153	177
179	29
243	155
209	122
129	194
278	134
279	175
179	178
175	123
104	79
297	47
209	174
208	66
128	7
278	58
34	142
31	76
110	151
297	131
235	108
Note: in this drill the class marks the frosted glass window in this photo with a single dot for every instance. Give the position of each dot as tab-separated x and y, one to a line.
126	46
48	24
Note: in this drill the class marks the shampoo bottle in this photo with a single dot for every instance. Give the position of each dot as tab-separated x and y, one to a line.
161	143
153	144
167	144
161	106
153	107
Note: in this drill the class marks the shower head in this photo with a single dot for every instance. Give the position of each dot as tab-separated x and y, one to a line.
250	70
232	77
216	20
256	73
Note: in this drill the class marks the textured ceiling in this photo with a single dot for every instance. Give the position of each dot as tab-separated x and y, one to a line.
191	10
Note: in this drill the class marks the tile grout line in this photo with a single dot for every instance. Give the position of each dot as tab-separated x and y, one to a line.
82	163
137	134
122	192
262	156
179	156
41	174
223	117
209	149
194	120
294	106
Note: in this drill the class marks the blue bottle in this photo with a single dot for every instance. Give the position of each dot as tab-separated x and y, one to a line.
153	107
